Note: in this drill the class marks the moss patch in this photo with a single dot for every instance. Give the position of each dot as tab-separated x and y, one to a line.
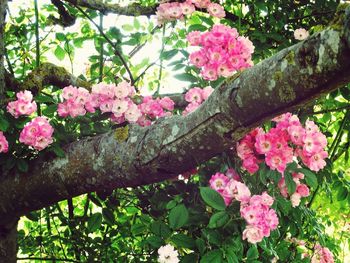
121	134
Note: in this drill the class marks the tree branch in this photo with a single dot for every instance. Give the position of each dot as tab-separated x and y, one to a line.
134	9
174	145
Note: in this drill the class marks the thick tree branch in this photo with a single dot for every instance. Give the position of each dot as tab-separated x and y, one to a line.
171	146
45	74
134	9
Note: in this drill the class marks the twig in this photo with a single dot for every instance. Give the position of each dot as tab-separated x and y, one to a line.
116	52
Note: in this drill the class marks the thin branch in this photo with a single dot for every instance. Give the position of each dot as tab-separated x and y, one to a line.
48	259
116	51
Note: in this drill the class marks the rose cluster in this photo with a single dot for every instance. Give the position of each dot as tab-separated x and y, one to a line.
4	145
302	190
256	211
37	133
23	105
195	97
260	218
322	255
174	10
77	101
115	99
279	145
222	52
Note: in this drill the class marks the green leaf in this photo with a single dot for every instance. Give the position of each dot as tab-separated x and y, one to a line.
161	229
218	219
94	222
4	124
190	258
342	193
310	177
138	229
181	240
214	256
169	54
108	216
231	256
186	77
58	150
44	99
59	53
252	253
212	198
178	216
155	241
197	27
50	110
128	27
291	185
22	165
60	36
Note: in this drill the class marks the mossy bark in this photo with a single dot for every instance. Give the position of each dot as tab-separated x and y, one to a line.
8	242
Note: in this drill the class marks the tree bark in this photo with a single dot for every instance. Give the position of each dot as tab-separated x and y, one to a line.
8	230
133	155
8	242
3	5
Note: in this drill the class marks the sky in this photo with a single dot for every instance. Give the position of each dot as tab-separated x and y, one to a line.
150	50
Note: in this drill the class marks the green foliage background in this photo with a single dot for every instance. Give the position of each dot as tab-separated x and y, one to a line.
129	225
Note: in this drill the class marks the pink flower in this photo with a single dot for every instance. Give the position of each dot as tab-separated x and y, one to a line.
295	199
232	174
194	38
37	133
253	234
69	92
187	8
322	255
4	145
190	108
303	190
23	105
133	113
119	107
216	10
194	95
167	103
301	34
218	181
198	58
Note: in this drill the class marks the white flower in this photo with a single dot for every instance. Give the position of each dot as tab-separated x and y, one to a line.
167	254
301	34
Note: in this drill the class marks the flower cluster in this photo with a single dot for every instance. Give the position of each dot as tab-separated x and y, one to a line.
300	34
280	144
167	254
174	10
230	188
37	133
77	101
195	97
222	52
322	255
260	218
115	99
256	211
23	105
302	190
4	145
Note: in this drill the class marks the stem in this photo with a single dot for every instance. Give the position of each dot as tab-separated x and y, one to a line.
101	51
161	62
116	51
37	36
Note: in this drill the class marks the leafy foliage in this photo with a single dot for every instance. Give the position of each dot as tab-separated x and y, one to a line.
129	225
